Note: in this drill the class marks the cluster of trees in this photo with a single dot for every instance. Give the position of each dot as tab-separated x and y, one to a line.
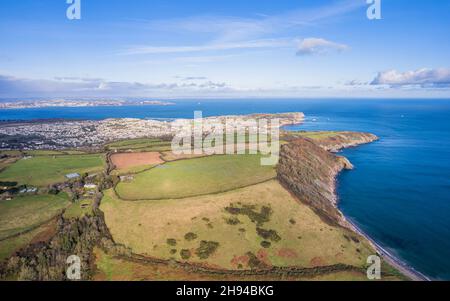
47	261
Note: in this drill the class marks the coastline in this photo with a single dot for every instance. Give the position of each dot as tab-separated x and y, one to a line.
390	258
393	260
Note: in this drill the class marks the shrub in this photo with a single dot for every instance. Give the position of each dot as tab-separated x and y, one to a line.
268	234
265	244
206	249
190	236
232	221
249	210
171	242
185	254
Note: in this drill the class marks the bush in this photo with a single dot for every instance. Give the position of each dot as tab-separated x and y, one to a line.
171	242
268	234
256	217
232	221
206	249
265	244
190	236
185	254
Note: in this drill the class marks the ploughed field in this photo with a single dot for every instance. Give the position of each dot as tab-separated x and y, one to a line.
135	161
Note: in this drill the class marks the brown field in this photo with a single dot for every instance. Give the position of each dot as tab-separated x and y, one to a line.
129	160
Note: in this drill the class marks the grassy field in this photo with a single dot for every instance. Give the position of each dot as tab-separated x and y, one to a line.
258	225
79	209
52	152
23	213
198	176
110	268
143	144
315	135
11	245
45	170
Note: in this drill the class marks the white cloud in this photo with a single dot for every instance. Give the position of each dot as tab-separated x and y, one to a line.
254	44
222	33
312	46
422	77
20	87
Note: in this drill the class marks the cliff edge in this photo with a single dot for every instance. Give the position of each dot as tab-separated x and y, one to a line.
308	169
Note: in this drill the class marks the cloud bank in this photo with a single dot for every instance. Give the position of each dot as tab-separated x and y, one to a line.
73	86
422	77
313	46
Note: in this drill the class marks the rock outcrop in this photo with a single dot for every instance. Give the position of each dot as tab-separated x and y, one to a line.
308	168
344	140
309	172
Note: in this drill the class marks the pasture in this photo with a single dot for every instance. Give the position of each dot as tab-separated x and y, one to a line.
141	144
199	176
27	212
256	226
46	170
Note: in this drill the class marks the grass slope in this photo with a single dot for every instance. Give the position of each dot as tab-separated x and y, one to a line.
24	213
198	176
119	269
15	243
297	236
45	170
140	144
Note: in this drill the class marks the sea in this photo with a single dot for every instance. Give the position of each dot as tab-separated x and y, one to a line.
399	191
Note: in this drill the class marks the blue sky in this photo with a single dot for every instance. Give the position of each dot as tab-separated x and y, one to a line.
246	48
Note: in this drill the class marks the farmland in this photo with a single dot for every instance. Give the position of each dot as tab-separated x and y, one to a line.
197	176
24	213
262	221
134	162
142	144
45	170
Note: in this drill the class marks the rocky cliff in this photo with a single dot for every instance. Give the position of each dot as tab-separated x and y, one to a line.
309	170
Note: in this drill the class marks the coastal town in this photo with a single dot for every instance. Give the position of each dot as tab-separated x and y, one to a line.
88	102
63	134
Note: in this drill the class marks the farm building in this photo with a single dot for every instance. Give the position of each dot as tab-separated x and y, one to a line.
72	176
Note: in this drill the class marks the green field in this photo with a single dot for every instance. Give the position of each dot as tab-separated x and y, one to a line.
143	144
132	170
292	234
45	170
79	209
198	176
10	245
27	212
315	134
52	152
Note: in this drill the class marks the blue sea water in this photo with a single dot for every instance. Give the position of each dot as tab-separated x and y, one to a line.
399	192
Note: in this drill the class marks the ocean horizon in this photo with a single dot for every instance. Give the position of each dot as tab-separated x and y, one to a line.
398	191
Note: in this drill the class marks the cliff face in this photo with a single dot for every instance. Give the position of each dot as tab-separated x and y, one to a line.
309	172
